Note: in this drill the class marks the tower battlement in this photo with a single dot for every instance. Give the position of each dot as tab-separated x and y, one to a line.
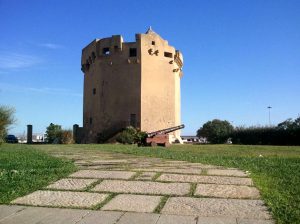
130	83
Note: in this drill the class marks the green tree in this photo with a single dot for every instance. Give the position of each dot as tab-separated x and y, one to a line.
6	119
53	133
287	124
216	131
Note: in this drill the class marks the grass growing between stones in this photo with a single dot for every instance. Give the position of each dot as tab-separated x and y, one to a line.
192	189
100	205
138	173
161	204
24	170
274	169
157	175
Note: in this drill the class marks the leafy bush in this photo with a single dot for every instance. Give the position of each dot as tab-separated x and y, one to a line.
285	133
216	131
131	135
6	119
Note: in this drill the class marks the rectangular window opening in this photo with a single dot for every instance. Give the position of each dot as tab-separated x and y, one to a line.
94	91
133	120
132	52
168	54
153	43
105	51
91	120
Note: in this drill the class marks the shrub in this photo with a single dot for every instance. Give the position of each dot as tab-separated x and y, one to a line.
131	135
57	135
66	137
216	131
285	133
6	119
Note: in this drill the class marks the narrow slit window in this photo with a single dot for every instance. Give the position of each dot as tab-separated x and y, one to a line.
133	120
91	120
93	56
94	91
132	52
153	43
168	55
106	51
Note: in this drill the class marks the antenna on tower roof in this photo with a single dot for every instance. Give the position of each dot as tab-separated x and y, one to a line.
149	30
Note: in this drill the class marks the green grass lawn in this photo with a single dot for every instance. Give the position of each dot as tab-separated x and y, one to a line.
276	172
24	169
274	169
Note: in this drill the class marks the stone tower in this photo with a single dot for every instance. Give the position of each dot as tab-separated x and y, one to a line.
130	83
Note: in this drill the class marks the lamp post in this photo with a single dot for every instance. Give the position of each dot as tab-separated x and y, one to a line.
269	107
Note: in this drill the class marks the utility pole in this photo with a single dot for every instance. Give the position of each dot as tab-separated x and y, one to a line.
269	107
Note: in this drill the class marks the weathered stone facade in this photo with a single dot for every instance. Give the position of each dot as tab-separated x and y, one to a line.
130	83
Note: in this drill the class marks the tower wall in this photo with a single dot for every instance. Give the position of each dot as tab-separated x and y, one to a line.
160	84
130	83
111	88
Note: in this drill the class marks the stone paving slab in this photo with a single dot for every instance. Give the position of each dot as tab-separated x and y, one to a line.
101	217
217	220
199	166
61	198
227	191
31	215
254	221
110	161
226	172
146	176
6	211
40	215
176	161
138	218
101	167
71	184
176	219
103	174
133	203
142	187
35	215
248	209
205	179
171	170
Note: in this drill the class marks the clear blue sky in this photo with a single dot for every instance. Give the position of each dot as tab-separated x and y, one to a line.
240	56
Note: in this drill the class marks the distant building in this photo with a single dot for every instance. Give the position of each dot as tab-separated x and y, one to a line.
130	83
35	138
193	139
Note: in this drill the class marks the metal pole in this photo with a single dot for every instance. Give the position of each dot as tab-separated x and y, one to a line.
269	115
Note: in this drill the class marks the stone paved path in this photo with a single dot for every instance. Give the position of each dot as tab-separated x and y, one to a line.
117	188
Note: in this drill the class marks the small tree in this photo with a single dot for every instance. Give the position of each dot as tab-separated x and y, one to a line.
6	119
216	131
53	133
